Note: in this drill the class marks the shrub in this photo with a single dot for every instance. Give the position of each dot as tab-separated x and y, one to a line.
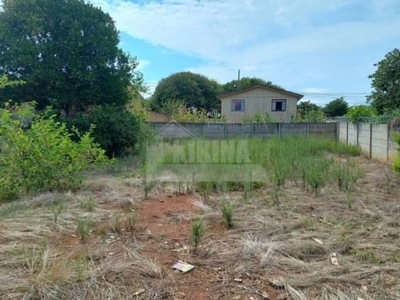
356	112
227	214
197	231
84	228
396	161
116	130
39	155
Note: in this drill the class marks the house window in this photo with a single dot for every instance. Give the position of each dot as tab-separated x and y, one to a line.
238	104
278	105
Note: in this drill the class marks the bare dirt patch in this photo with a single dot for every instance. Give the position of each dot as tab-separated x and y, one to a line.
272	252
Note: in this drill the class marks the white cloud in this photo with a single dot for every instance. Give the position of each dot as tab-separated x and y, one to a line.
257	36
142	64
233	30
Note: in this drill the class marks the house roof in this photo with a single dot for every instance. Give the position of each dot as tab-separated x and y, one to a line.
266	87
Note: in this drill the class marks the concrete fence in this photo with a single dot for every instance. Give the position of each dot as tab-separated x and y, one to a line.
375	140
226	130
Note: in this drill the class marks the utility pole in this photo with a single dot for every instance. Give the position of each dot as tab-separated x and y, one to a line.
238	84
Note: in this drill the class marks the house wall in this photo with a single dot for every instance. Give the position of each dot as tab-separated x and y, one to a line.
258	100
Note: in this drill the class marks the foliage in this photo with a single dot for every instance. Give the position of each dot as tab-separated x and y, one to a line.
385	83
116	130
67	53
396	161
197	232
5	82
245	82
212	164
227	214
185	115
192	90
137	105
308	112
84	228
43	156
354	113
336	108
257	118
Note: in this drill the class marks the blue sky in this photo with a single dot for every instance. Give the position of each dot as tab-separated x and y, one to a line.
323	49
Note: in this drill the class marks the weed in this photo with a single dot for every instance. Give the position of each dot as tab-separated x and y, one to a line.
197	231
148	186
130	222
367	256
204	188
227	214
84	228
88	204
56	209
247	190
116	223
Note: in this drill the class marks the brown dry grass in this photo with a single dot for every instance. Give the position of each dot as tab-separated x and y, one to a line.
270	246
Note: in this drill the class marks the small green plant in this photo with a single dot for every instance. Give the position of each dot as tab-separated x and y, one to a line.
204	188
227	214
367	256
317	174
56	209
88	204
349	200
197	231
116	223
84	228
130	222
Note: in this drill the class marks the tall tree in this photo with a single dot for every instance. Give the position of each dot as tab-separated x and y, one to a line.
336	108
245	82
386	83
189	89
66	52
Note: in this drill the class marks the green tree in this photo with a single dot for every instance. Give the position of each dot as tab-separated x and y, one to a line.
245	82
117	131
356	112
189	89
386	83
66	51
336	108
308	112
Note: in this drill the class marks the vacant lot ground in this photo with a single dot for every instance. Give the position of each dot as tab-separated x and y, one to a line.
108	242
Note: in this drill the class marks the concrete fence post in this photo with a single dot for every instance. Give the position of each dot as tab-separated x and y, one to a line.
358	133
370	140
388	141
279	130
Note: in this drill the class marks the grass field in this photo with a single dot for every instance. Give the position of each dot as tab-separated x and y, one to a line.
270	239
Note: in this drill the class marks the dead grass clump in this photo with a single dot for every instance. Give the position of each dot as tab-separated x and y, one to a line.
307	250
253	247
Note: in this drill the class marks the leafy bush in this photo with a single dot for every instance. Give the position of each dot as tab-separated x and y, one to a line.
396	161
354	113
116	130
38	154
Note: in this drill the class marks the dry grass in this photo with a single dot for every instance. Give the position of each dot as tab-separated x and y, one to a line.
41	258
